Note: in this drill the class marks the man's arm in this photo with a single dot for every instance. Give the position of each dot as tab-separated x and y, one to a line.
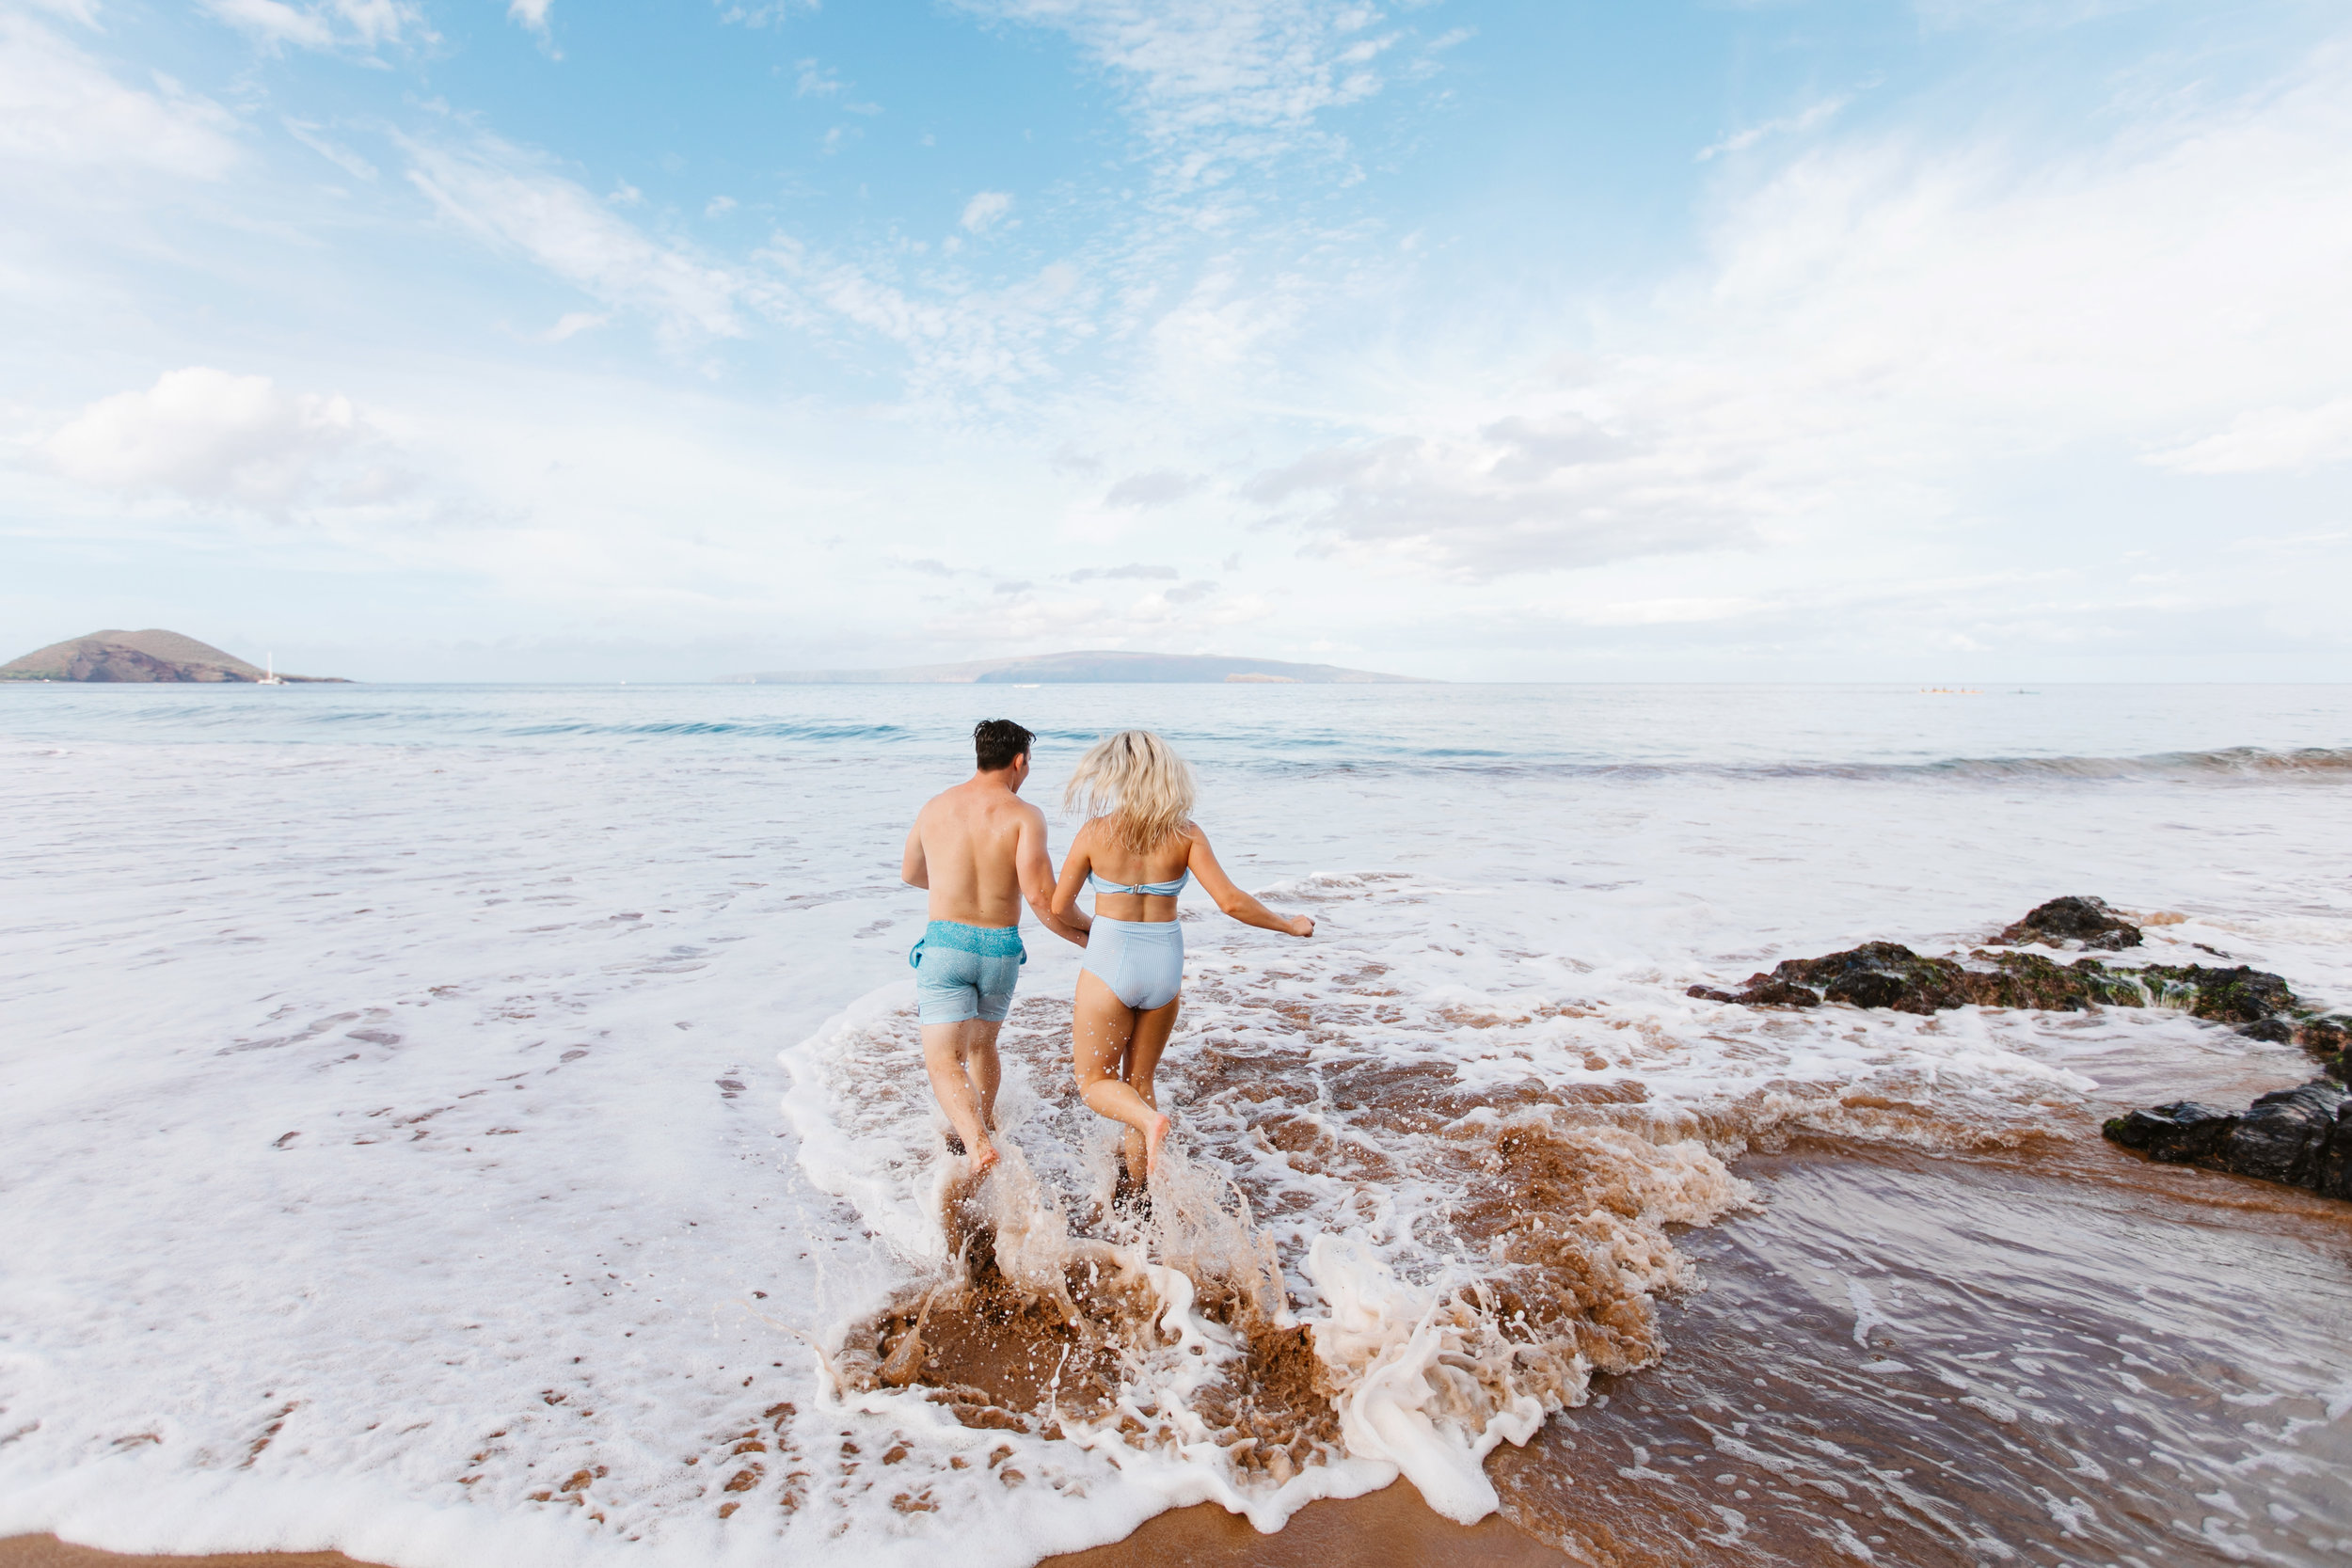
912	870
1034	864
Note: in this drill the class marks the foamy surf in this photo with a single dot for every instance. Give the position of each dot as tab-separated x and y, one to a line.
288	1259
1397	1314
1449	1175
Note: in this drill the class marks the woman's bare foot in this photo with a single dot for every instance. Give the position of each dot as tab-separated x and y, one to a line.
983	1157
1154	1134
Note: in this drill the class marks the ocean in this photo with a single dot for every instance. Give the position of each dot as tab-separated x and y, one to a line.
469	1125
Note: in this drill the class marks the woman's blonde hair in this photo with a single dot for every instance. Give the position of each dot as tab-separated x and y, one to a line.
1136	779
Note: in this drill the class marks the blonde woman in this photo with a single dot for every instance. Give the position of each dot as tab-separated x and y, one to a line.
1138	847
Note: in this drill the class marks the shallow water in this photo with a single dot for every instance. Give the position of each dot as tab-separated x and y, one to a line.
1963	1360
433	1111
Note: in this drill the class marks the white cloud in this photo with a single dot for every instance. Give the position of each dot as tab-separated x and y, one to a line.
982	211
509	199
1021	616
1805	119
361	25
209	437
765	13
1133	570
530	13
719	207
2269	440
571	324
1510	499
960	340
275	23
58	107
83	12
1160	487
1220	80
1885	330
341	157
1655	612
816	81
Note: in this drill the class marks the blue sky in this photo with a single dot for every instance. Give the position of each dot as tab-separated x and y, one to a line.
441	338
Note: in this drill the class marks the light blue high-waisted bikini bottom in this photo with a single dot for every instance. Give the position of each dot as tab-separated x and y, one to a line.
1141	960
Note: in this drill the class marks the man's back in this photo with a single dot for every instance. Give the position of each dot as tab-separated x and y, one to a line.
971	842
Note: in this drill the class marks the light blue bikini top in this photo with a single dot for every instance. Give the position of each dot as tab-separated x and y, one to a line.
1155	889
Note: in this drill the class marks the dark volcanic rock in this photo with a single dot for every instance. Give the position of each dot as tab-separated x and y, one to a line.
2234	995
1881	975
2299	1137
2183	1132
1888	974
2330	1039
2327	1036
2087	921
2332	1176
2282	1136
1762	990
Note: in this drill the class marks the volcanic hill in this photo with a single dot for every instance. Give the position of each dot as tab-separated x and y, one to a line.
137	655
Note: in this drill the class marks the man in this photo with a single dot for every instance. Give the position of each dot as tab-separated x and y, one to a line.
979	849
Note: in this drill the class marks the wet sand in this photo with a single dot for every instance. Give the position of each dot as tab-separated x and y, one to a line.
47	1551
2066	1355
1392	1527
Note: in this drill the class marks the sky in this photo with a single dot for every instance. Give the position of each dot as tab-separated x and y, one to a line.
1955	342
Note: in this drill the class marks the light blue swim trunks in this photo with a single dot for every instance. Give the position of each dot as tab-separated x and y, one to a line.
964	972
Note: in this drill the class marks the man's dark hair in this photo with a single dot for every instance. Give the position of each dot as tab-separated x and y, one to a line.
1000	743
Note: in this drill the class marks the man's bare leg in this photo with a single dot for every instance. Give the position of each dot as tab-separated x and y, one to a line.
981	1065
964	1072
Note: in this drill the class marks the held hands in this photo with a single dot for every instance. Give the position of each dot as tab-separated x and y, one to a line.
1301	925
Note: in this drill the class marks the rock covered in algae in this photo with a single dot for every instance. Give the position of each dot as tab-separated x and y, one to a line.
2087	921
2298	1137
2257	1003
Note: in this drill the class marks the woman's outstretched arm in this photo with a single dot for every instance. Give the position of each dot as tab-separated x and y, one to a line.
1230	898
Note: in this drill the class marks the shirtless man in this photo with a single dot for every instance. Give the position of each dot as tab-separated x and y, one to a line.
979	849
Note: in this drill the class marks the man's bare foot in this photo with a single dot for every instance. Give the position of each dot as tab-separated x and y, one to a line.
1153	1135
983	1157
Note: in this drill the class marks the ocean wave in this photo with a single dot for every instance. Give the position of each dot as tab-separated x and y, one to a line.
2251	763
750	730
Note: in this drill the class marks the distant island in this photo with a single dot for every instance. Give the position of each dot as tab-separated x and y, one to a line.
141	656
1089	667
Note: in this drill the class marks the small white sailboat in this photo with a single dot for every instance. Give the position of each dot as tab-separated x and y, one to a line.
269	674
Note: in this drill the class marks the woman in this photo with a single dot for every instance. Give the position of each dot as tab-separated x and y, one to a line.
1138	847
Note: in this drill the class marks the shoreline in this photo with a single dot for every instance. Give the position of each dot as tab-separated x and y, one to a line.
1945	1435
1393	1527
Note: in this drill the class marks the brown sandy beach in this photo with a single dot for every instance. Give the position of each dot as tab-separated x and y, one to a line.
1393	1527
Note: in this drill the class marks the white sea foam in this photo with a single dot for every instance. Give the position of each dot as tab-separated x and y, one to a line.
394	1161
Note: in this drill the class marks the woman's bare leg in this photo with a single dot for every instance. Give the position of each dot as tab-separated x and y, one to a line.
1103	1028
1136	1068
